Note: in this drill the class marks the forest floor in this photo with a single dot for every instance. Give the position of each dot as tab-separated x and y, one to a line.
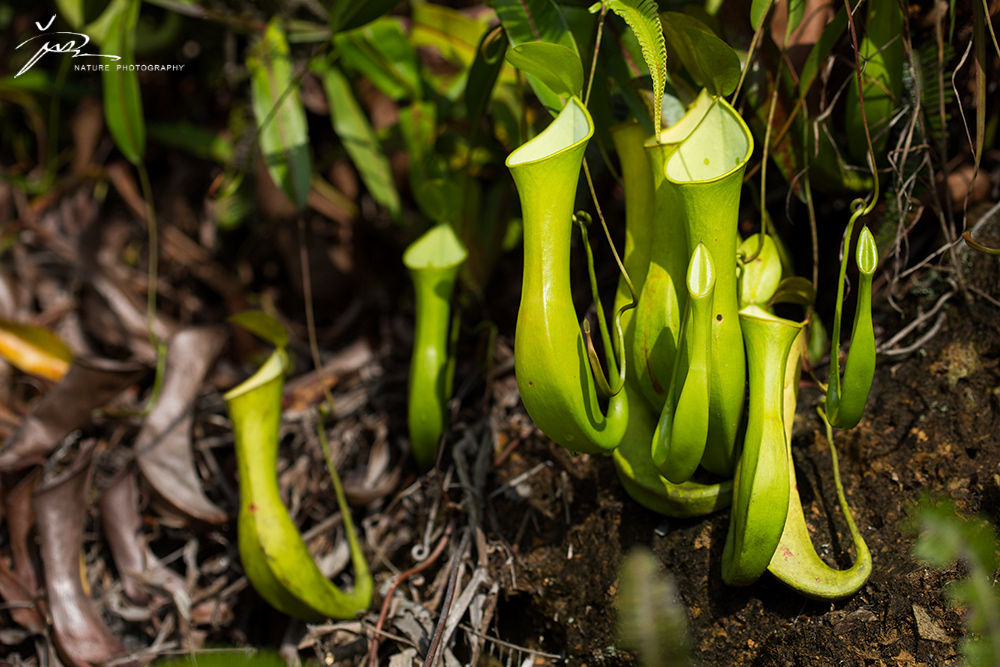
531	537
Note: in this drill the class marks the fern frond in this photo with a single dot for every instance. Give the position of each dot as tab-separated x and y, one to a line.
643	18
923	85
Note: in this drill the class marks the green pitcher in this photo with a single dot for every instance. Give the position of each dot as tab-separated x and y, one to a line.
550	356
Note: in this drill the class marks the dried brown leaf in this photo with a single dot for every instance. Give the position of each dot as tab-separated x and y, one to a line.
61	510
20	603
19	583
89	384
131	317
87	126
306	390
163	447
119	505
20	522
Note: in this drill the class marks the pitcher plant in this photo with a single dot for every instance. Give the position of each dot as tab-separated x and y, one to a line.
434	261
275	557
761	486
695	330
550	357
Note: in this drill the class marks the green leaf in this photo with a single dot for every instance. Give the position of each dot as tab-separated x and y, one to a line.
455	36
795	290
263	326
284	135
440	199
381	52
758	11
346	15
641	17
720	63
483	75
629	76
711	62
98	28
195	139
536	21
418	124
882	54
819	52
453	33
796	10
72	11
122	97
356	133
558	67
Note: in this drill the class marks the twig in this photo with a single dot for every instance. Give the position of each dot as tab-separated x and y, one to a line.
508	645
520	478
905	331
900	352
435	646
416	569
479	577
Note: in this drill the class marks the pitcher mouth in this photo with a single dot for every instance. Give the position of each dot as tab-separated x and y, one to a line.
758	314
438	248
271	369
572	127
719	146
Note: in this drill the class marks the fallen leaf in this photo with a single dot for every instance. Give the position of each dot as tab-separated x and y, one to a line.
119	305
20	523
306	390
34	350
163	447
927	628
119	505
18	590
89	384
61	512
20	603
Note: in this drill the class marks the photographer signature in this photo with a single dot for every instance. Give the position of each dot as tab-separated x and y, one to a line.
67	47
